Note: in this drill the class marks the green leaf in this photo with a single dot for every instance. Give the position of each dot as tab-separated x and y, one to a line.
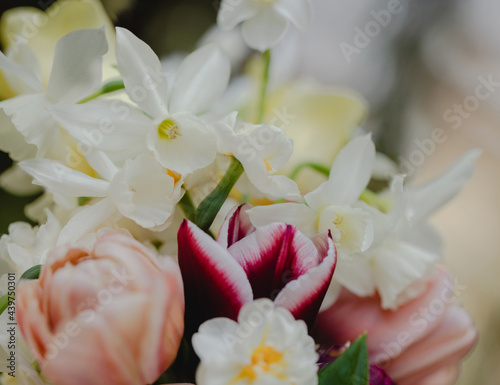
32	272
351	368
112	86
83	200
315	166
210	206
4	303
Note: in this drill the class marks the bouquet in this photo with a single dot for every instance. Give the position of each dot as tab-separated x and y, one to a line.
183	236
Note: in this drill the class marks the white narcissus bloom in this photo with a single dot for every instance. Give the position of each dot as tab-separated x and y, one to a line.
41	29
27	129
264	21
267	346
147	198
405	248
26	246
262	150
170	128
333	205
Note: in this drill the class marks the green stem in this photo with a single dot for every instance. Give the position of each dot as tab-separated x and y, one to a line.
112	86
210	206
375	200
187	206
265	81
315	166
4	303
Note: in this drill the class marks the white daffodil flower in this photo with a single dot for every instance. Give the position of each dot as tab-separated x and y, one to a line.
275	349
170	127
405	249
262	150
334	204
26	246
27	129
147	198
265	22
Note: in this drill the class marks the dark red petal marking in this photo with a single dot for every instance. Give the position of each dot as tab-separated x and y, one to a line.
214	284
236	226
304	296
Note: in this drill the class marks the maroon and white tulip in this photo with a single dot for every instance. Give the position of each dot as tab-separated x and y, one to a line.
275	261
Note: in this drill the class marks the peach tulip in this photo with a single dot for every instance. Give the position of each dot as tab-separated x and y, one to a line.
113	315
421	343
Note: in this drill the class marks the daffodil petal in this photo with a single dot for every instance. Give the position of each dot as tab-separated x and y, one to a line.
352	170
201	79
265	29
145	81
355	274
27	115
148	198
42	30
297	11
232	13
195	146
26	81
77	67
426	199
291	213
396	266
112	126
86	220
63	180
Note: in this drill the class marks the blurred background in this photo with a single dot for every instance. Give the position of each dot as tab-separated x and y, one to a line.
419	64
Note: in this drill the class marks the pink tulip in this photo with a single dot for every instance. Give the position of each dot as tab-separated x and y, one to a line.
275	261
419	344
110	316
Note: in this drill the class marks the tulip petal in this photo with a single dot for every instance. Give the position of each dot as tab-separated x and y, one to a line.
385	327
444	346
236	226
77	68
145	81
201	79
214	284
304	296
274	255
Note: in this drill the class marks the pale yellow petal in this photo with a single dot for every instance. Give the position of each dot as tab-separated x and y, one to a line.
319	119
42	30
